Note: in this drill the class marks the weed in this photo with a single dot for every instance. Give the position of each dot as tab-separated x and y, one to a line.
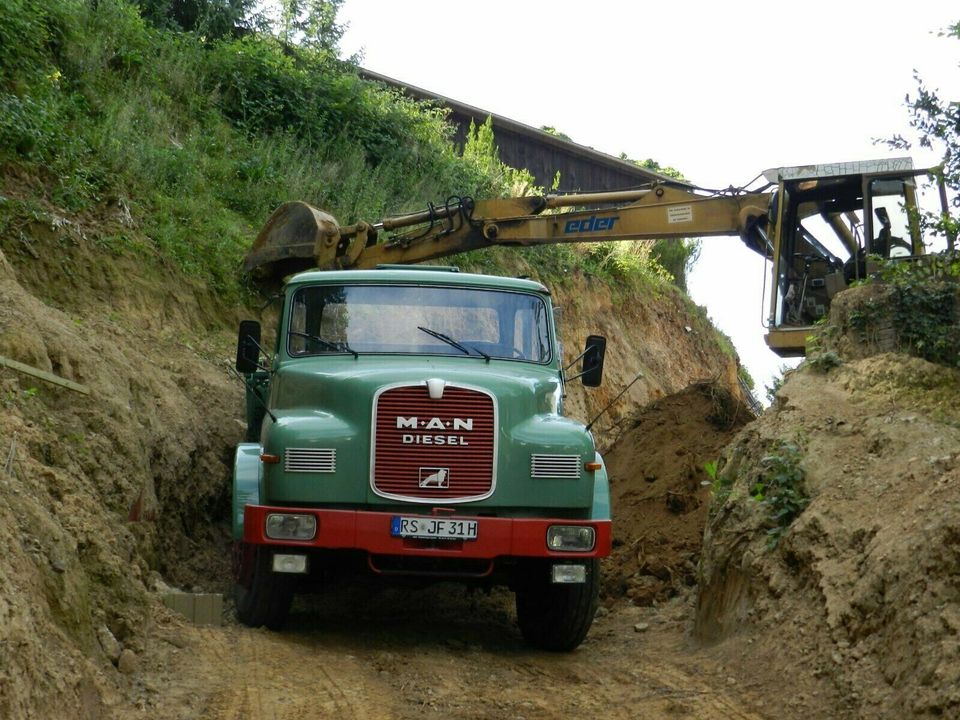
710	468
922	308
721	484
823	362
774	387
780	487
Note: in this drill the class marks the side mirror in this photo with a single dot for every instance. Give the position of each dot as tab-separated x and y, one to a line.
248	347
591	371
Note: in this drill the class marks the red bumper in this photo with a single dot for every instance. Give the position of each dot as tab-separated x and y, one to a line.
370	531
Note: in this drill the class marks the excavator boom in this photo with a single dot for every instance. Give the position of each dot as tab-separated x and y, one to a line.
298	236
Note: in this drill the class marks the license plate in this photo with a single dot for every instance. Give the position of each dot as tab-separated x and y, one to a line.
429	528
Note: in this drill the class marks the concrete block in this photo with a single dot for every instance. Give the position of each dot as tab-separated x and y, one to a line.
198	608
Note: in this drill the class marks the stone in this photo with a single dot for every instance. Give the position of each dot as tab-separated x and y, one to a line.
110	645
128	662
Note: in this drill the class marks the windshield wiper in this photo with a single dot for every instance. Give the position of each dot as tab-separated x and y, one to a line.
326	344
450	341
446	338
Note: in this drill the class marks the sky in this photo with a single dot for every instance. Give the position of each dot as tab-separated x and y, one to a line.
719	90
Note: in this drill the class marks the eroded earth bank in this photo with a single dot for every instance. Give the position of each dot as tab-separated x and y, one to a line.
714	605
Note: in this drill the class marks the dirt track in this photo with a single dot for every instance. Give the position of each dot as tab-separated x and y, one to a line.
399	652
422	654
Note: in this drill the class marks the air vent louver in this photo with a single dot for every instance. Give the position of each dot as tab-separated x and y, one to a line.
310	460
565	467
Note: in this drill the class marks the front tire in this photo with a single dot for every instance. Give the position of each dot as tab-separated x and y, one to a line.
555	616
263	597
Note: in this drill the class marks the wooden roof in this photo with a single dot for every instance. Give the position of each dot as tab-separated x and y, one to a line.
581	168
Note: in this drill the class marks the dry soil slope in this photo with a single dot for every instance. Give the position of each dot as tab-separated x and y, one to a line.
856	613
660	490
105	489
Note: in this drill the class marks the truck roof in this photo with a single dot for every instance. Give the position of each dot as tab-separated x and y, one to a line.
419	275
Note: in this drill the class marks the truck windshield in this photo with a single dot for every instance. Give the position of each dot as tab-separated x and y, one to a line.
331	319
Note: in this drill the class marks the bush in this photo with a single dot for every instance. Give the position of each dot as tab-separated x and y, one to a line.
203	138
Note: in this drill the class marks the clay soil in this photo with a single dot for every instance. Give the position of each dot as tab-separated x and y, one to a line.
660	490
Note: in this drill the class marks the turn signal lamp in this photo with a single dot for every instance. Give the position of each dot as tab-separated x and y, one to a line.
592	466
269	459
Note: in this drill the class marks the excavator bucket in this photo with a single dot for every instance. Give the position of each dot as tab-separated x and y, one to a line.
296	237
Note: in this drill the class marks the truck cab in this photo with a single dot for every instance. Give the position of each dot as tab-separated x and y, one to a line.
408	423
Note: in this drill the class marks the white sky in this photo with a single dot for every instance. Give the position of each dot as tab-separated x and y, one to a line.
719	90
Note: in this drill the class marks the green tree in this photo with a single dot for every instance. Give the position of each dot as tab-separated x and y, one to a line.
312	23
936	121
651	164
211	18
481	152
676	256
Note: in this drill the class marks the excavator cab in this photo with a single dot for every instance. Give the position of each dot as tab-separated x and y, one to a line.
833	224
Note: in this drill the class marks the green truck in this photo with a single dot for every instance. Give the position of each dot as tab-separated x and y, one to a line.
408	422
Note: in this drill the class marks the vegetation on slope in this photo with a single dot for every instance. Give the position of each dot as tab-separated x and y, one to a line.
200	121
202	138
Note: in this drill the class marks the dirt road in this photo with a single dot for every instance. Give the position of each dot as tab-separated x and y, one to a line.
439	652
436	653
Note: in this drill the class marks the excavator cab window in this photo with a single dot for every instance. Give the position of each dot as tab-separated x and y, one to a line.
891	228
810	257
834	231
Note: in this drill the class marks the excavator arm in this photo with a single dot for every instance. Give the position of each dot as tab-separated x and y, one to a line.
298	236
817	229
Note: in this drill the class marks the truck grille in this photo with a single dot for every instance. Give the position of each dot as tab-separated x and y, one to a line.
435	451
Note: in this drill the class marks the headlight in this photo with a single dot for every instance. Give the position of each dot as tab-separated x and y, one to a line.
290	526
570	538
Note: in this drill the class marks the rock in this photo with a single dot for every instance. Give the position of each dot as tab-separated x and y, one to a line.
128	662
601	612
110	645
641	627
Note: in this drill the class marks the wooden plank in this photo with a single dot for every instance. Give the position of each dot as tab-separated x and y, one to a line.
45	376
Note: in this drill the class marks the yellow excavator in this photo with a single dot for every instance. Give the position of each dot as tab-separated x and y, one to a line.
821	226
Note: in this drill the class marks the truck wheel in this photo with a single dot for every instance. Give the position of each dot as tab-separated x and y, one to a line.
557	616
263	597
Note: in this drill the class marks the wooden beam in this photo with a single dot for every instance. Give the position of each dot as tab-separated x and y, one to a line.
45	376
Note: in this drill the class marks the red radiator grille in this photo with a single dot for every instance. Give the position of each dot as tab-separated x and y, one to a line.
434	450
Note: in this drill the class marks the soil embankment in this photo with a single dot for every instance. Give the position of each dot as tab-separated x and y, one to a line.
661	490
857	606
110	497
